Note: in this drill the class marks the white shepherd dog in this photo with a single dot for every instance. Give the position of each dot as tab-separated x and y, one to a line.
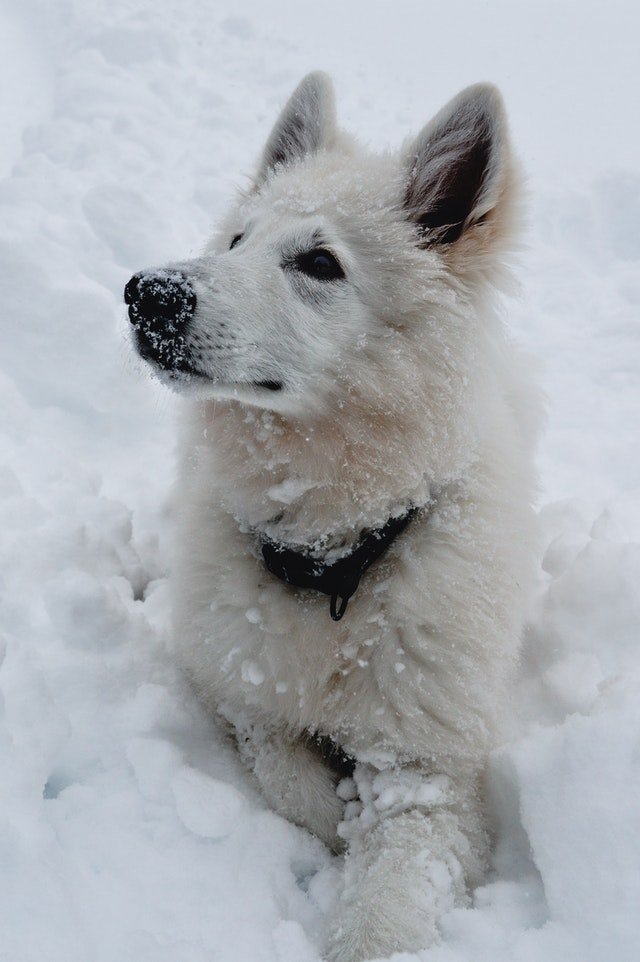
355	536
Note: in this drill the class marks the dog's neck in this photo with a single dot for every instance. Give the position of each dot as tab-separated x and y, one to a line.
314	486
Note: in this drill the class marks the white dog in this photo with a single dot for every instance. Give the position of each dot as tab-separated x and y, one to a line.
355	531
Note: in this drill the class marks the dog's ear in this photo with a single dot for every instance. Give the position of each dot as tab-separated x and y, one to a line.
307	123
459	167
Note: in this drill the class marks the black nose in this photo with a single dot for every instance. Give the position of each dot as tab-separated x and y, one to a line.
160	306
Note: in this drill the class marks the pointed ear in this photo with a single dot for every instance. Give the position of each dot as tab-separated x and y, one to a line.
307	123
459	167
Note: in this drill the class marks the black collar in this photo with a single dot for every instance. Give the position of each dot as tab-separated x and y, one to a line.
341	578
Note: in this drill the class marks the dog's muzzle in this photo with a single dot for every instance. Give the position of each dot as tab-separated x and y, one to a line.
161	304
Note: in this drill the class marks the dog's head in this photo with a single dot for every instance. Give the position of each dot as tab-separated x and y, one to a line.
335	262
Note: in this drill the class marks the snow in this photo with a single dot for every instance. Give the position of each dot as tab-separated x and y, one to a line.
128	828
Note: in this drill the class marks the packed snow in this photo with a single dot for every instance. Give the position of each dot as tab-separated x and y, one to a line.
128	829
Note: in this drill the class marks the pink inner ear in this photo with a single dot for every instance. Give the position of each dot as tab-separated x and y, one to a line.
449	201
453	162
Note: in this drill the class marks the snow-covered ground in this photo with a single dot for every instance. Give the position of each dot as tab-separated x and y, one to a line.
128	831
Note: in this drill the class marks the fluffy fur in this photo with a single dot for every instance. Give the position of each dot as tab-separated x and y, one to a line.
399	386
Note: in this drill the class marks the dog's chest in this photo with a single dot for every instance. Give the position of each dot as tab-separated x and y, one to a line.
281	660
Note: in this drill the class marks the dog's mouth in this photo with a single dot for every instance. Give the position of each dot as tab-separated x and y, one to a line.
169	358
185	374
269	385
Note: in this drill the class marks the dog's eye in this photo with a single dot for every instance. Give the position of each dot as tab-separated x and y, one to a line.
236	240
321	264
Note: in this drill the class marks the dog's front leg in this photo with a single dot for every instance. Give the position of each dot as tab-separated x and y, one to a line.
415	845
296	783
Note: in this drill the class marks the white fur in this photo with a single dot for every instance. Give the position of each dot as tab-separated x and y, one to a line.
401	387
